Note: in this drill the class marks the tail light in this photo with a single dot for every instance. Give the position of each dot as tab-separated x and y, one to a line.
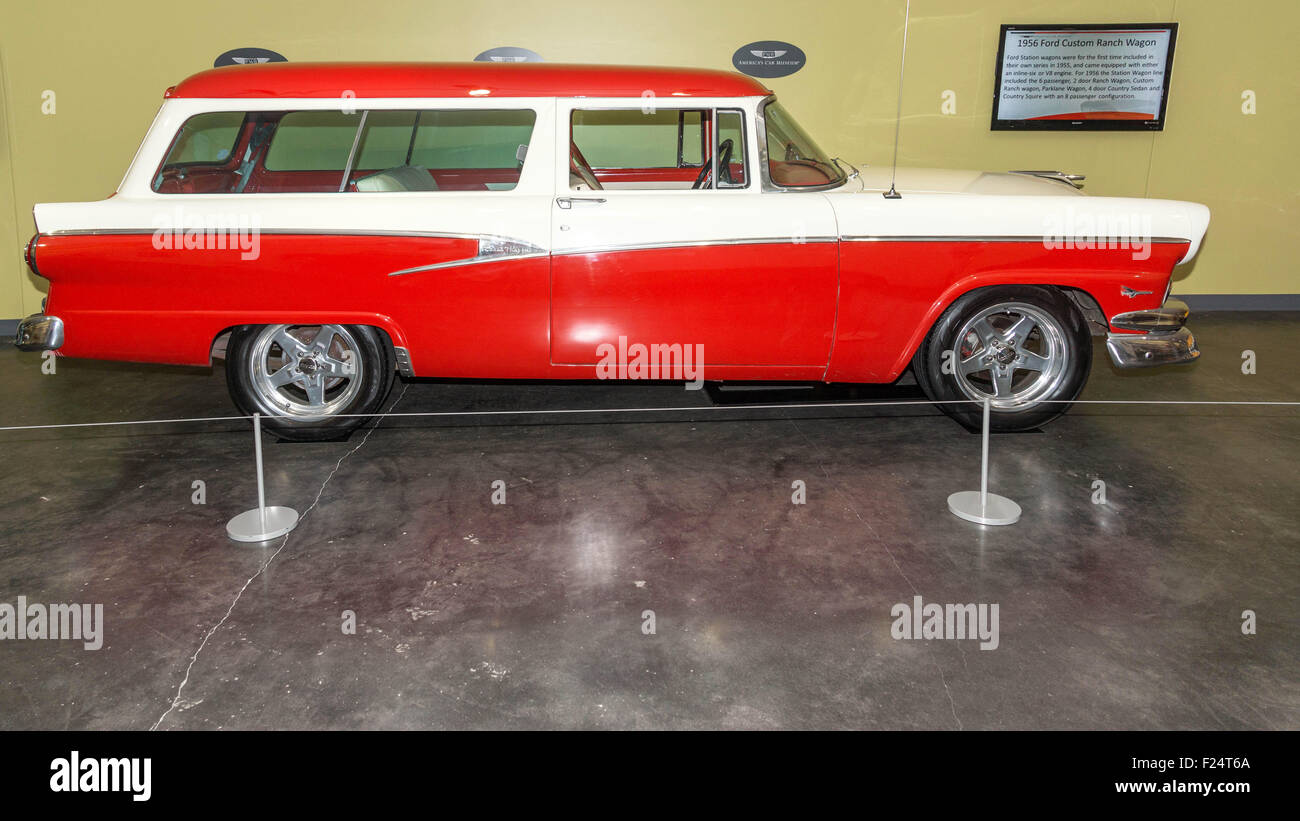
29	254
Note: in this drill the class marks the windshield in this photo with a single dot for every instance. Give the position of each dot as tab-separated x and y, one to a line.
793	159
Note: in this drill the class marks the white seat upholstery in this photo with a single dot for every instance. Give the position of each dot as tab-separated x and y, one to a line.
401	178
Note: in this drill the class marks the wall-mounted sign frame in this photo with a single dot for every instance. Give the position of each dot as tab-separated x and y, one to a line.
1080	77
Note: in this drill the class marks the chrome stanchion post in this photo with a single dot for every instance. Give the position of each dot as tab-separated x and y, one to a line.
983	507
983	463
262	523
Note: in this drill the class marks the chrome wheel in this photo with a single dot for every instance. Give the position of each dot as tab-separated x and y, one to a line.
1012	354
305	370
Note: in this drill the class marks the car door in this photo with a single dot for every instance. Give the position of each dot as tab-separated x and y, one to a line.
639	256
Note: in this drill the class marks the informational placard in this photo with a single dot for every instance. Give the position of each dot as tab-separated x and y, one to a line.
1084	77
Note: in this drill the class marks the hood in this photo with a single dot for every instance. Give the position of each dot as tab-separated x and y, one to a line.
955	181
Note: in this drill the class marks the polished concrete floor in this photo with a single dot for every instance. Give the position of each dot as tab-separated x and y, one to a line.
767	614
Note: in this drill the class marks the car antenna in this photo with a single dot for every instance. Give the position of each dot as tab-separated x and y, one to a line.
892	193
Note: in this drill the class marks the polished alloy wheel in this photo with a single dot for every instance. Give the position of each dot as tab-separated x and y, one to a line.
305	370
1012	354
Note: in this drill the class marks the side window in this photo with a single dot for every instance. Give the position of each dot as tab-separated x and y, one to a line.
333	151
312	141
691	139
206	139
385	140
731	149
623	139
442	149
470	140
661	149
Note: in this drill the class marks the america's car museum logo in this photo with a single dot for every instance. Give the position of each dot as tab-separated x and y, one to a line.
508	54
769	58
247	56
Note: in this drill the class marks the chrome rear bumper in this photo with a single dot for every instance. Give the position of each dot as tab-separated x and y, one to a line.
39	332
1164	340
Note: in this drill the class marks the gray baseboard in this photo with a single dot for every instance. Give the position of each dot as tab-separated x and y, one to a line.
8	327
1241	302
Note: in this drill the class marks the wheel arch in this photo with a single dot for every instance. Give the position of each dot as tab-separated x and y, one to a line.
391	331
1082	300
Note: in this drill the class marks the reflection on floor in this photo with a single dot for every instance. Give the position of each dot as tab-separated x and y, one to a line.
765	613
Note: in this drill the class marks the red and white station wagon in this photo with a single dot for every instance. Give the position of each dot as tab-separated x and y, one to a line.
340	223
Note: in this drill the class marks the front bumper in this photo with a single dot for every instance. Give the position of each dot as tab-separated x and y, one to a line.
39	332
1164	340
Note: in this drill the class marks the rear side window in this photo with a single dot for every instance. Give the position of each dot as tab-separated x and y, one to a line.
312	141
359	152
472	139
206	138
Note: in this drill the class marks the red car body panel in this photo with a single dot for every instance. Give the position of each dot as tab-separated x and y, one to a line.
828	310
755	305
891	291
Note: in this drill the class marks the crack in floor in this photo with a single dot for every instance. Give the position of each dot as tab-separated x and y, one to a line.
176	700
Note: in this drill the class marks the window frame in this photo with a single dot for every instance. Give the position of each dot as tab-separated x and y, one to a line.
681	140
704	137
155	178
744	153
239	132
764	167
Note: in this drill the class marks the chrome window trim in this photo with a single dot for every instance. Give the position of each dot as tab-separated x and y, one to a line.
352	154
744	154
678	106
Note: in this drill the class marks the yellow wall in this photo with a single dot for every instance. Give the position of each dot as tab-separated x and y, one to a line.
109	63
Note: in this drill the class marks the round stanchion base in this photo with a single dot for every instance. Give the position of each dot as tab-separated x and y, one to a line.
997	510
247	526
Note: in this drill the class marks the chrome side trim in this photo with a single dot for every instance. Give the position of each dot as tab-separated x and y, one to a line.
460	263
975	238
1152	349
39	332
490	249
333	232
650	246
403	361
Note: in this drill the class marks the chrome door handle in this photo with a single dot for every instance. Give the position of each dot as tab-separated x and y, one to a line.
569	202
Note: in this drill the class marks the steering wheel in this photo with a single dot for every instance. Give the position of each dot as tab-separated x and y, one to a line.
724	165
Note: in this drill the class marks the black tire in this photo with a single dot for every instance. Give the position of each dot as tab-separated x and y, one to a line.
353	376
1053	357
